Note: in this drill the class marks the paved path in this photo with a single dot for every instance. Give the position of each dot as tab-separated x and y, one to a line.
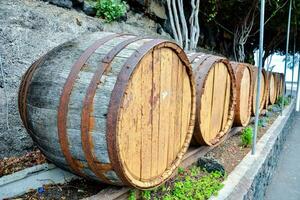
285	184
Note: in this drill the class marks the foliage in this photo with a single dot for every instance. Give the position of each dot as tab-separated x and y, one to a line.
246	137
192	188
110	10
220	19
286	100
180	170
191	184
132	195
146	194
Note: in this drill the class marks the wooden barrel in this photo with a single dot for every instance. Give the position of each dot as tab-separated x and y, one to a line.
215	94
263	88
267	91
115	108
279	84
272	88
244	81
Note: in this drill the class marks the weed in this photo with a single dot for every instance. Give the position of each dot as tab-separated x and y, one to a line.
246	137
194	171
110	10
194	188
286	100
132	195
260	123
180	170
146	194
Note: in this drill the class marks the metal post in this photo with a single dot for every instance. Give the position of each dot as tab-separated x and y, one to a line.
293	64
293	76
286	54
298	85
261	46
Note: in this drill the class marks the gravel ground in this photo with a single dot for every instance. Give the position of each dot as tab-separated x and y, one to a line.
29	28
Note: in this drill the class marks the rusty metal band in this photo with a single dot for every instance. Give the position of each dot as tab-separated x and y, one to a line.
74	164
193	57
22	96
86	127
24	86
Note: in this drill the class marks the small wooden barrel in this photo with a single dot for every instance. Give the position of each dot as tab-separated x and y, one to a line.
263	89
244	81
215	94
272	91
267	91
279	84
115	108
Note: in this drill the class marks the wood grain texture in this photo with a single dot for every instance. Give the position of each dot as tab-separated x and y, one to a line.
272	88
151	131
216	96
263	89
244	84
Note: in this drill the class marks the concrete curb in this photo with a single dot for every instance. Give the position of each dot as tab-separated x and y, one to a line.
251	177
32	178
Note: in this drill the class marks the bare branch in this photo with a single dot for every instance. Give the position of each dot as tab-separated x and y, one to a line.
172	20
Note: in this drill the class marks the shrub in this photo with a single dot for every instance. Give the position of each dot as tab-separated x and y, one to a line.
110	10
286	100
246	137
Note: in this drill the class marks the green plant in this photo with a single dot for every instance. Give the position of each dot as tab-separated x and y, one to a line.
260	123
180	170
246	137
110	10
194	171
132	195
286	100
196	188
146	194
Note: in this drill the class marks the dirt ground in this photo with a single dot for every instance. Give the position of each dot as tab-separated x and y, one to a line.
231	152
28	29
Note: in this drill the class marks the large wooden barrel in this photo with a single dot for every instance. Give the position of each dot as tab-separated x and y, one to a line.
111	107
272	88
244	81
215	94
263	89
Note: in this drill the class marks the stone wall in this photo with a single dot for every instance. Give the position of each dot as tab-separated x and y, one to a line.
265	173
30	28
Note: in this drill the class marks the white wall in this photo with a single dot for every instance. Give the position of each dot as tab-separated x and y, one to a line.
277	60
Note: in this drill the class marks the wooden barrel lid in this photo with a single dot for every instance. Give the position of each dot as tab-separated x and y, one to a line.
272	88
155	120
263	85
244	81
215	83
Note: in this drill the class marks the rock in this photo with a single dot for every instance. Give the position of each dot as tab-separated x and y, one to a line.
263	122
269	114
88	8
157	8
160	30
210	165
62	3
275	108
78	3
